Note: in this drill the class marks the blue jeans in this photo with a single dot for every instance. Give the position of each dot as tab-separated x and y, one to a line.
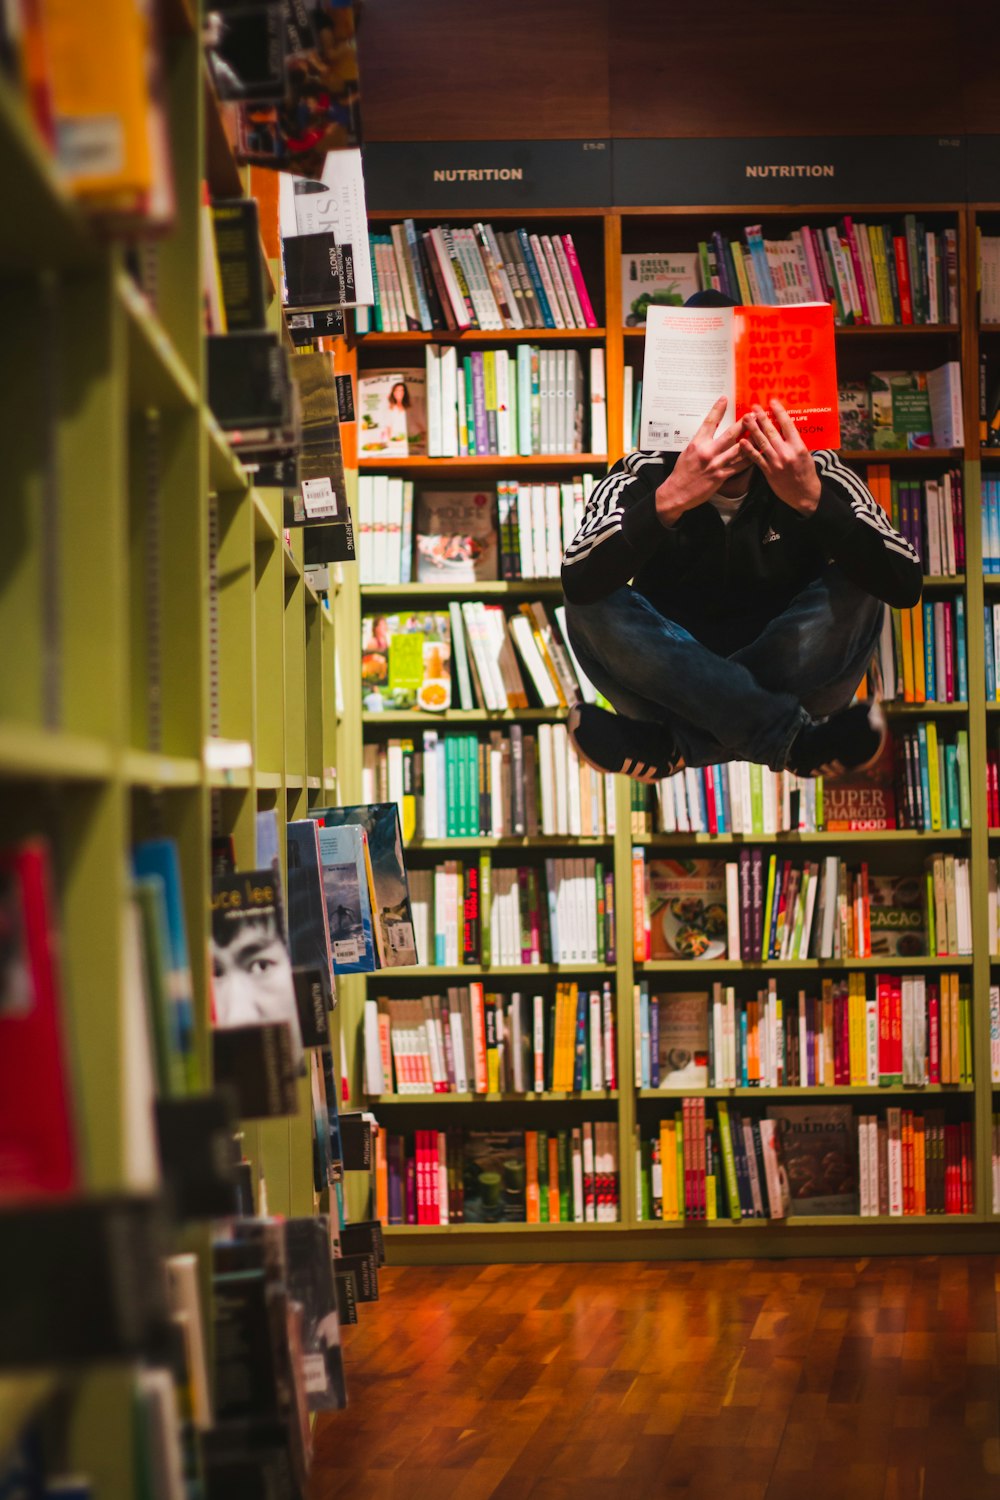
805	664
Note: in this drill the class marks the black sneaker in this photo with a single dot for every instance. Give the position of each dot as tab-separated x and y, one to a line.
851	740
624	747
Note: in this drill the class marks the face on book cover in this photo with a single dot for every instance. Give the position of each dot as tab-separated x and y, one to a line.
252	977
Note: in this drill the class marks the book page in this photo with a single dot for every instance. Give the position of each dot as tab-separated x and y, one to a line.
688	365
788	353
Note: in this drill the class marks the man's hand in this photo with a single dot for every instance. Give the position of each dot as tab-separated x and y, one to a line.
710	458
773	444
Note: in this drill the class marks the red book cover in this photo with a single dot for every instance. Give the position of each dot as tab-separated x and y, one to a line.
968	1204
37	1143
903	278
470	914
896	988
883	992
907	1138
418	1170
949	659
933	1034
710	809
951	1200
995	782
842	1053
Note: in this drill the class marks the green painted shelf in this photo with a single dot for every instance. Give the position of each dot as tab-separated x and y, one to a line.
853	1091
793	966
584	1096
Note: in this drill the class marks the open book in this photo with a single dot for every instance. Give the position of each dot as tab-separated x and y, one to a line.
694	355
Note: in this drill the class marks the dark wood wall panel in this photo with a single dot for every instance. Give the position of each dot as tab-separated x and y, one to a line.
456	70
785	68
564	69
980	68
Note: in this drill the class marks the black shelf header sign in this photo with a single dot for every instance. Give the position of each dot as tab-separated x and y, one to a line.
782	169
450	175
455	176
984	168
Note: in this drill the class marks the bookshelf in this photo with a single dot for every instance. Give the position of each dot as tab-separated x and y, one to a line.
606	232
152	611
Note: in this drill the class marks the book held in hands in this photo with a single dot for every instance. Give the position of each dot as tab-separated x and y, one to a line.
751	355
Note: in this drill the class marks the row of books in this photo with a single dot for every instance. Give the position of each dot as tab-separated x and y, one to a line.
526	400
407	659
803	1161
911	1030
455	277
472	1041
921	783
912	1163
871	273
758	908
476	912
929	513
903	409
495	785
932	781
696	1168
460	1176
922	653
512	529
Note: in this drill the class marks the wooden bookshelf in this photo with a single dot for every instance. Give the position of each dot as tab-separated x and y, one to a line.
117	681
616	231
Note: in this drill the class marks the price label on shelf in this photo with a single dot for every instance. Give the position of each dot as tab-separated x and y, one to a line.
319	498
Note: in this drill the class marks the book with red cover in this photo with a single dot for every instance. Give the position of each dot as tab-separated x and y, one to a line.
752	355
862	800
38	1154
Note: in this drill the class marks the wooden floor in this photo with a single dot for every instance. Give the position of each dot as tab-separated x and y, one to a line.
793	1380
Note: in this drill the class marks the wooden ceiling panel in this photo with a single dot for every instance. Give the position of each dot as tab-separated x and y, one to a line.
455	70
790	67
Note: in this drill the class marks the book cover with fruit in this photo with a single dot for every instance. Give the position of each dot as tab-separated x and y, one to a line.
687	908
456	536
406	661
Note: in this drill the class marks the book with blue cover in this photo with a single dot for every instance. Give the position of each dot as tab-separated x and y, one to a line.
158	858
343	853
393	917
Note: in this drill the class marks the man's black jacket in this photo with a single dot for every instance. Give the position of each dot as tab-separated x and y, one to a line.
725	582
